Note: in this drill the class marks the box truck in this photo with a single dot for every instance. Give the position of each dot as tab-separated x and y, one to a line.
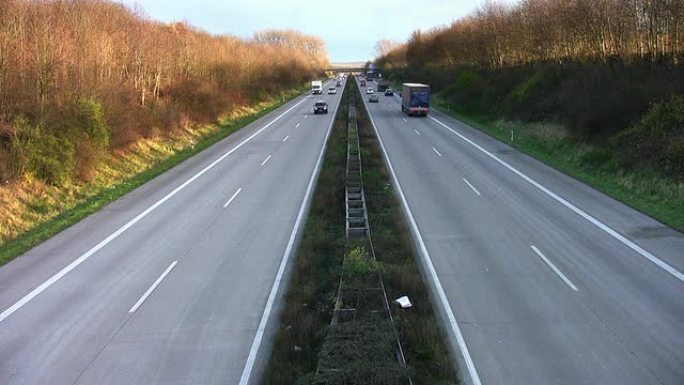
316	87
415	99
383	84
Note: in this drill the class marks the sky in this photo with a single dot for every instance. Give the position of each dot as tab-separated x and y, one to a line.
350	28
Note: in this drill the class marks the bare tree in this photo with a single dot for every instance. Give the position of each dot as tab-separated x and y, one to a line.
383	47
499	34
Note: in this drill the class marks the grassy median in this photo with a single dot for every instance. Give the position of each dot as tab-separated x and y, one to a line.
305	339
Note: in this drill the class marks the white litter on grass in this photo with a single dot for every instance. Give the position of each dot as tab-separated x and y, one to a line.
403	302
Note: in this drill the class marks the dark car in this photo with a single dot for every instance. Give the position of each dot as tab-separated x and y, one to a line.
373	98
389	92
320	106
339	83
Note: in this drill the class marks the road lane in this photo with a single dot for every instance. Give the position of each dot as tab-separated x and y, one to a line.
625	324
198	323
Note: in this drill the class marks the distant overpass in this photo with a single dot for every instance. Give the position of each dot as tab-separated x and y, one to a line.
347	67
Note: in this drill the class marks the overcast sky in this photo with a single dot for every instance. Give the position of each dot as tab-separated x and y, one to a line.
350	28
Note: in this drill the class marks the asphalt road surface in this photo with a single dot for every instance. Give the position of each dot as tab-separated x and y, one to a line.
176	282
541	279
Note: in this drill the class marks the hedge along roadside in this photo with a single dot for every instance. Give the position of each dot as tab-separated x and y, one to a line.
92	203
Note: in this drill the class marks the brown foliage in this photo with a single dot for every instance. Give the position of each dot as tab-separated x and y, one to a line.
498	34
148	77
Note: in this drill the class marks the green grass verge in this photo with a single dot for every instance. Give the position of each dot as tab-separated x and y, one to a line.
646	191
92	204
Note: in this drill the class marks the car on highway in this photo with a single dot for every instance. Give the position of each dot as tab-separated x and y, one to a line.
339	84
369	90
332	90
320	107
389	92
373	98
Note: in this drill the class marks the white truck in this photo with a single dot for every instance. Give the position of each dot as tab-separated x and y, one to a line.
316	87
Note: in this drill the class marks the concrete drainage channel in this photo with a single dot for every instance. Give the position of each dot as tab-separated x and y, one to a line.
339	323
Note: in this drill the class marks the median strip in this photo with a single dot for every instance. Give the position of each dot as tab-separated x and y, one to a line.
331	332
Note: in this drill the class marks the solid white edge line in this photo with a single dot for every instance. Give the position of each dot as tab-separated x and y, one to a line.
286	138
663	265
154	286
28	297
472	370
417	132
266	160
436	152
256	343
471	186
232	198
554	268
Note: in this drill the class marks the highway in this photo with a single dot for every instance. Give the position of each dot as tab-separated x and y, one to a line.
178	281
539	278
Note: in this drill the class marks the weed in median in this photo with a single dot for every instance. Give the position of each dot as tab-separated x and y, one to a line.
358	263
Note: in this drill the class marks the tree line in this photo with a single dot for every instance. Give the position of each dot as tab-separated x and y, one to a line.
609	71
79	78
498	34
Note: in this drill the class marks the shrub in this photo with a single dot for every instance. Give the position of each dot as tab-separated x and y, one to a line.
359	264
87	159
93	122
657	140
7	164
199	100
42	154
